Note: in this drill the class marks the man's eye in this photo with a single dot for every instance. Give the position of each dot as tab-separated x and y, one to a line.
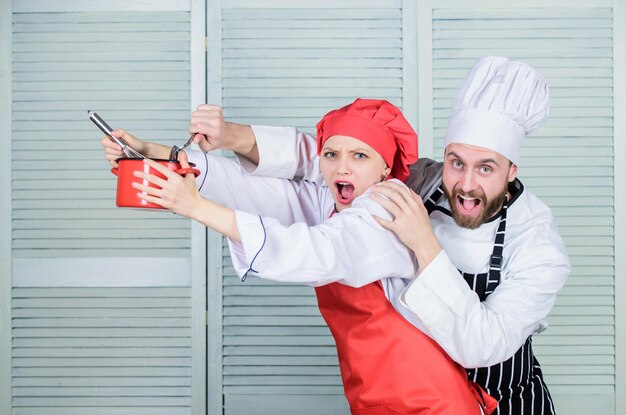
485	170
457	164
329	154
360	155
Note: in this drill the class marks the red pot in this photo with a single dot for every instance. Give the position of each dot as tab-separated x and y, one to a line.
127	194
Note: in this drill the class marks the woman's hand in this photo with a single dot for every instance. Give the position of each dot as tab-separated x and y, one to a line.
180	195
113	151
411	223
175	192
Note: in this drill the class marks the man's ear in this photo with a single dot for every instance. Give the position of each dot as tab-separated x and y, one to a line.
512	172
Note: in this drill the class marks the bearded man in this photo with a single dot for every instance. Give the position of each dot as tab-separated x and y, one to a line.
490	255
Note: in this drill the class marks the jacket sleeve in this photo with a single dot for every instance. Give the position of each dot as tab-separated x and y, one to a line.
481	334
286	153
333	251
223	181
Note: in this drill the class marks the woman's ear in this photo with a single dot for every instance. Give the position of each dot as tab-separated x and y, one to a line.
385	173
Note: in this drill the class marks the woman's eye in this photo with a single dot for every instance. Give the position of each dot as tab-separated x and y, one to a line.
329	154
360	155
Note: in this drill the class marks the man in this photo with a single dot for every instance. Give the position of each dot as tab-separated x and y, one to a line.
493	261
514	282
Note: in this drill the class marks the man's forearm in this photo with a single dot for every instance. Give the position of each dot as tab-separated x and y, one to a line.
244	141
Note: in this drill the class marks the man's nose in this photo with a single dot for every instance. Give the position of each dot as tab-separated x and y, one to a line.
468	181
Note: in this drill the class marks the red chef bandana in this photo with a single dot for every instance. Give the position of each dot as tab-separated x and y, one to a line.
377	123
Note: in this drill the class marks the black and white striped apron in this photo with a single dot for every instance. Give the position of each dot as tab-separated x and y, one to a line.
517	383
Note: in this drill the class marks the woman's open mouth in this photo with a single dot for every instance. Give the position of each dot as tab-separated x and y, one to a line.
345	192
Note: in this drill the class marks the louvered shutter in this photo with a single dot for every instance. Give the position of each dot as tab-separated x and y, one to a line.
101	300
288	63
567	162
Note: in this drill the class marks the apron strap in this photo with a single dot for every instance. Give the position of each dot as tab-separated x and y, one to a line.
495	262
433	199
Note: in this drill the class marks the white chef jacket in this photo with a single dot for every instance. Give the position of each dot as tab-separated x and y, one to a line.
439	301
290	238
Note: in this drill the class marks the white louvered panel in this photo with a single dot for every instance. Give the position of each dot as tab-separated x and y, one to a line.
567	163
288	63
101	351
133	68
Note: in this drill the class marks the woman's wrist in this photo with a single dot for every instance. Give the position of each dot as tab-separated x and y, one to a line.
155	150
216	217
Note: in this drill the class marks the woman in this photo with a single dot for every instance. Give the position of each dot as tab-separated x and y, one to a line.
388	366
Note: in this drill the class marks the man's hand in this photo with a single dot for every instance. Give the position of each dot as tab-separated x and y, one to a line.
411	223
212	132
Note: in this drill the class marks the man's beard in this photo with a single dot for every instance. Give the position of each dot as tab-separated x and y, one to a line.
489	206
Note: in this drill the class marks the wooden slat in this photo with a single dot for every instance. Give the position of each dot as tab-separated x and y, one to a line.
304	6
78	410
101	381
333	402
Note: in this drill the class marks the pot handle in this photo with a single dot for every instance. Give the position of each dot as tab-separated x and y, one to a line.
114	170
187	170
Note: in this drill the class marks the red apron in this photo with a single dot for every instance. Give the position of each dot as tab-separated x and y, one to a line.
388	366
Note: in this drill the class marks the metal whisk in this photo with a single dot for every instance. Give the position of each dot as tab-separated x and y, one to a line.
128	150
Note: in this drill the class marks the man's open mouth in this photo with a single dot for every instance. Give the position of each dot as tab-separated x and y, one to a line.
468	205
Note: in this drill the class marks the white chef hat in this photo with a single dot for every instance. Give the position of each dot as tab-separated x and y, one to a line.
498	104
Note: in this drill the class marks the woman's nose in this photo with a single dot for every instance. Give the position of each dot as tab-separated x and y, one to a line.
344	165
